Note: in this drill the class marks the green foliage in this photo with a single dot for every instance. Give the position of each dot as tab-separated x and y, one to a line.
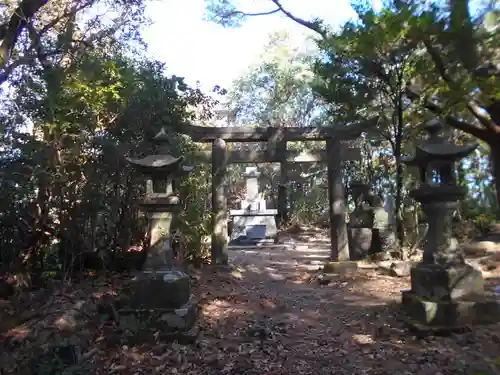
276	91
66	187
195	221
224	12
484	223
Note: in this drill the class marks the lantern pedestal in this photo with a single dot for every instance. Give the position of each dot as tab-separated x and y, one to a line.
455	315
162	300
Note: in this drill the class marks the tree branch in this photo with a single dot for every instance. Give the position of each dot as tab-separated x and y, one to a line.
478	112
10	31
483	134
438	62
473	108
239	12
8	70
310	25
35	37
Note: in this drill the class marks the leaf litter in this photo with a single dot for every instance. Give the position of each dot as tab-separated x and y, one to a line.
253	322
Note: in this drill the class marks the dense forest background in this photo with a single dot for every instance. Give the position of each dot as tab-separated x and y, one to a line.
78	95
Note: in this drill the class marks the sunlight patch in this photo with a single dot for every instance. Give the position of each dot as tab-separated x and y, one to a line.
363	339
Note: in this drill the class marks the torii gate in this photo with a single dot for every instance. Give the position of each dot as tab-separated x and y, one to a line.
277	139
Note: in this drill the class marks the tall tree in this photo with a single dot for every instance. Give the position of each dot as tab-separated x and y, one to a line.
464	50
368	66
65	184
276	91
463	86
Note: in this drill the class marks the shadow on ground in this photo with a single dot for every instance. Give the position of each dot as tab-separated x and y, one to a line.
266	315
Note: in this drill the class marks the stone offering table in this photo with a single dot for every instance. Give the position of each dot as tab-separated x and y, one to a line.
446	293
161	295
253	222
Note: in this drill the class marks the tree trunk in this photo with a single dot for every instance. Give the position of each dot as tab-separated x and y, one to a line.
495	158
399	171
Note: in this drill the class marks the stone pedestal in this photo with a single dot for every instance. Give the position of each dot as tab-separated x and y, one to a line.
253	226
448	297
446	282
162	301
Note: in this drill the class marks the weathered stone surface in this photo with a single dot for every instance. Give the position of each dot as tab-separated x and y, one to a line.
161	289
445	291
397	268
451	314
219	202
339	238
401	269
341	268
174	324
360	242
253	227
444	283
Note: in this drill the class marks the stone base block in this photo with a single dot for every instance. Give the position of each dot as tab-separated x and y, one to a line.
450	315
253	227
333	270
446	283
172	324
340	268
160	290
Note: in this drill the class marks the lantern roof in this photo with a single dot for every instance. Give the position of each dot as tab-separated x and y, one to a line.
156	163
437	149
447	152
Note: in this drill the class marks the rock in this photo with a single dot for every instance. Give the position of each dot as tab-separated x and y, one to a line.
400	268
324	279
342	268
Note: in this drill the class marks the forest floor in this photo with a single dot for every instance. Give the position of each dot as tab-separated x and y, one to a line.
265	316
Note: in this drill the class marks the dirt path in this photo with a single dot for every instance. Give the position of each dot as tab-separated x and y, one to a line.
267	318
263	317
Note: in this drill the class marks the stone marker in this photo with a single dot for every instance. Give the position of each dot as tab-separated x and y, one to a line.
446	293
160	293
253	222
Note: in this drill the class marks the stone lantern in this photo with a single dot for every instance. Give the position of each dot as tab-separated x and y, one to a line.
161	202
160	290
445	291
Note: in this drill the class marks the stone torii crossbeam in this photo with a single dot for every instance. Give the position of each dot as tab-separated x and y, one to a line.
276	138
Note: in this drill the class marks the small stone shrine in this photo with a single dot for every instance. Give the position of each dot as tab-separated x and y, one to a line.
161	293
385	238
370	231
253	222
361	221
446	293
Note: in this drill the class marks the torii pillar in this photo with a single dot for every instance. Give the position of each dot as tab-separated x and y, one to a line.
339	243
219	245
